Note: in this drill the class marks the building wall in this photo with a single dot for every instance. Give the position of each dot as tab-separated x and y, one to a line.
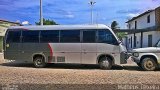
142	24
3	27
157	12
130	41
155	38
138	40
142	21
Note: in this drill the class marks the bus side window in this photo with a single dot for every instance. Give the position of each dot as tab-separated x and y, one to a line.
30	36
13	37
49	36
70	36
89	36
105	36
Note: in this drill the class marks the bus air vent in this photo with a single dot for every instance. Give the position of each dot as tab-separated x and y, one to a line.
60	59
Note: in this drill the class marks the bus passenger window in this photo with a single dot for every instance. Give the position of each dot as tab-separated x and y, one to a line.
13	37
70	36
49	36
30	36
89	36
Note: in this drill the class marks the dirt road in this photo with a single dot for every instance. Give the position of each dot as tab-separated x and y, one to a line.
21	76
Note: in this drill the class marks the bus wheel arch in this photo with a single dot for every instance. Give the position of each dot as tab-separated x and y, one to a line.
105	61
39	60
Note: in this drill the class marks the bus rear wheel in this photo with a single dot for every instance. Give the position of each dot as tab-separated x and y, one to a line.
39	62
105	63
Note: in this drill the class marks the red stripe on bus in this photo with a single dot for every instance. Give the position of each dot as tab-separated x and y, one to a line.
51	53
24	29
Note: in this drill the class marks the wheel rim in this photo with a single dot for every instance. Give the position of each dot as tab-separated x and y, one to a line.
105	63
39	62
149	65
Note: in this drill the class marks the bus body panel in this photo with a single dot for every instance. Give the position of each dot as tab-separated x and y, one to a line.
71	52
89	53
12	51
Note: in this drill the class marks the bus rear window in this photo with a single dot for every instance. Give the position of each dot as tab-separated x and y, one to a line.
13	37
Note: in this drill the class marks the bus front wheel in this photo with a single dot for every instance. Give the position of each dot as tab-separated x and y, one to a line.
39	62
105	63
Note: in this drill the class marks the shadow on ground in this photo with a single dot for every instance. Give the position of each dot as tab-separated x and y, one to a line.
72	66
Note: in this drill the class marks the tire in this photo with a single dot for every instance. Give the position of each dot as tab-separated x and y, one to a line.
39	62
149	64
105	63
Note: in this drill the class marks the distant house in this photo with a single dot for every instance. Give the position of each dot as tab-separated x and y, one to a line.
4	24
144	29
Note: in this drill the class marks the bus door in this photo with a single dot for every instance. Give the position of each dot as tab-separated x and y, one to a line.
70	47
89	47
107	44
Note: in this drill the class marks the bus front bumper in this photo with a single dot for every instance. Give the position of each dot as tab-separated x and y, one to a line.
124	57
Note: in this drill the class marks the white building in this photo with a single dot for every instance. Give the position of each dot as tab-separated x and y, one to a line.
144	30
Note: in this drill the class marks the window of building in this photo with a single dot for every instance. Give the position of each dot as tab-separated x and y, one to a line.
129	26
89	36
49	36
149	40
135	41
13	36
131	41
148	19
105	36
30	36
71	36
135	24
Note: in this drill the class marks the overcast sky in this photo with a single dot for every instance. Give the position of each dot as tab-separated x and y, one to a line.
75	11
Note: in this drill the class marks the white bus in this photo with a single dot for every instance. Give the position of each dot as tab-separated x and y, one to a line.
75	44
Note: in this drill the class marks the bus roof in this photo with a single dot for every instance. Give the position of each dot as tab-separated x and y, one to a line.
61	27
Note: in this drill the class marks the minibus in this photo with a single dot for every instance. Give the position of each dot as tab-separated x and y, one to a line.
70	44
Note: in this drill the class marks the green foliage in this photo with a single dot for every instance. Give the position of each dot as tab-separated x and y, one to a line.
121	35
114	26
47	22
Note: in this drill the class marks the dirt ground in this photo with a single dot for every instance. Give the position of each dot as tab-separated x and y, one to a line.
21	76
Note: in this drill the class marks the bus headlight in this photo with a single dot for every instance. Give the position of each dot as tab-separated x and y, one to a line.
136	54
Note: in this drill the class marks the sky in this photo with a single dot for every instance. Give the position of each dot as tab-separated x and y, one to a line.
70	12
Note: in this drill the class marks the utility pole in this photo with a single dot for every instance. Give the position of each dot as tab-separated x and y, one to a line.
92	4
41	13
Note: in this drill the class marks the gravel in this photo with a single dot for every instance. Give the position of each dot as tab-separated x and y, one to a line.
61	76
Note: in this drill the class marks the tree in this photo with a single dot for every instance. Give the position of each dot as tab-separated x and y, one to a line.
114	25
47	22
